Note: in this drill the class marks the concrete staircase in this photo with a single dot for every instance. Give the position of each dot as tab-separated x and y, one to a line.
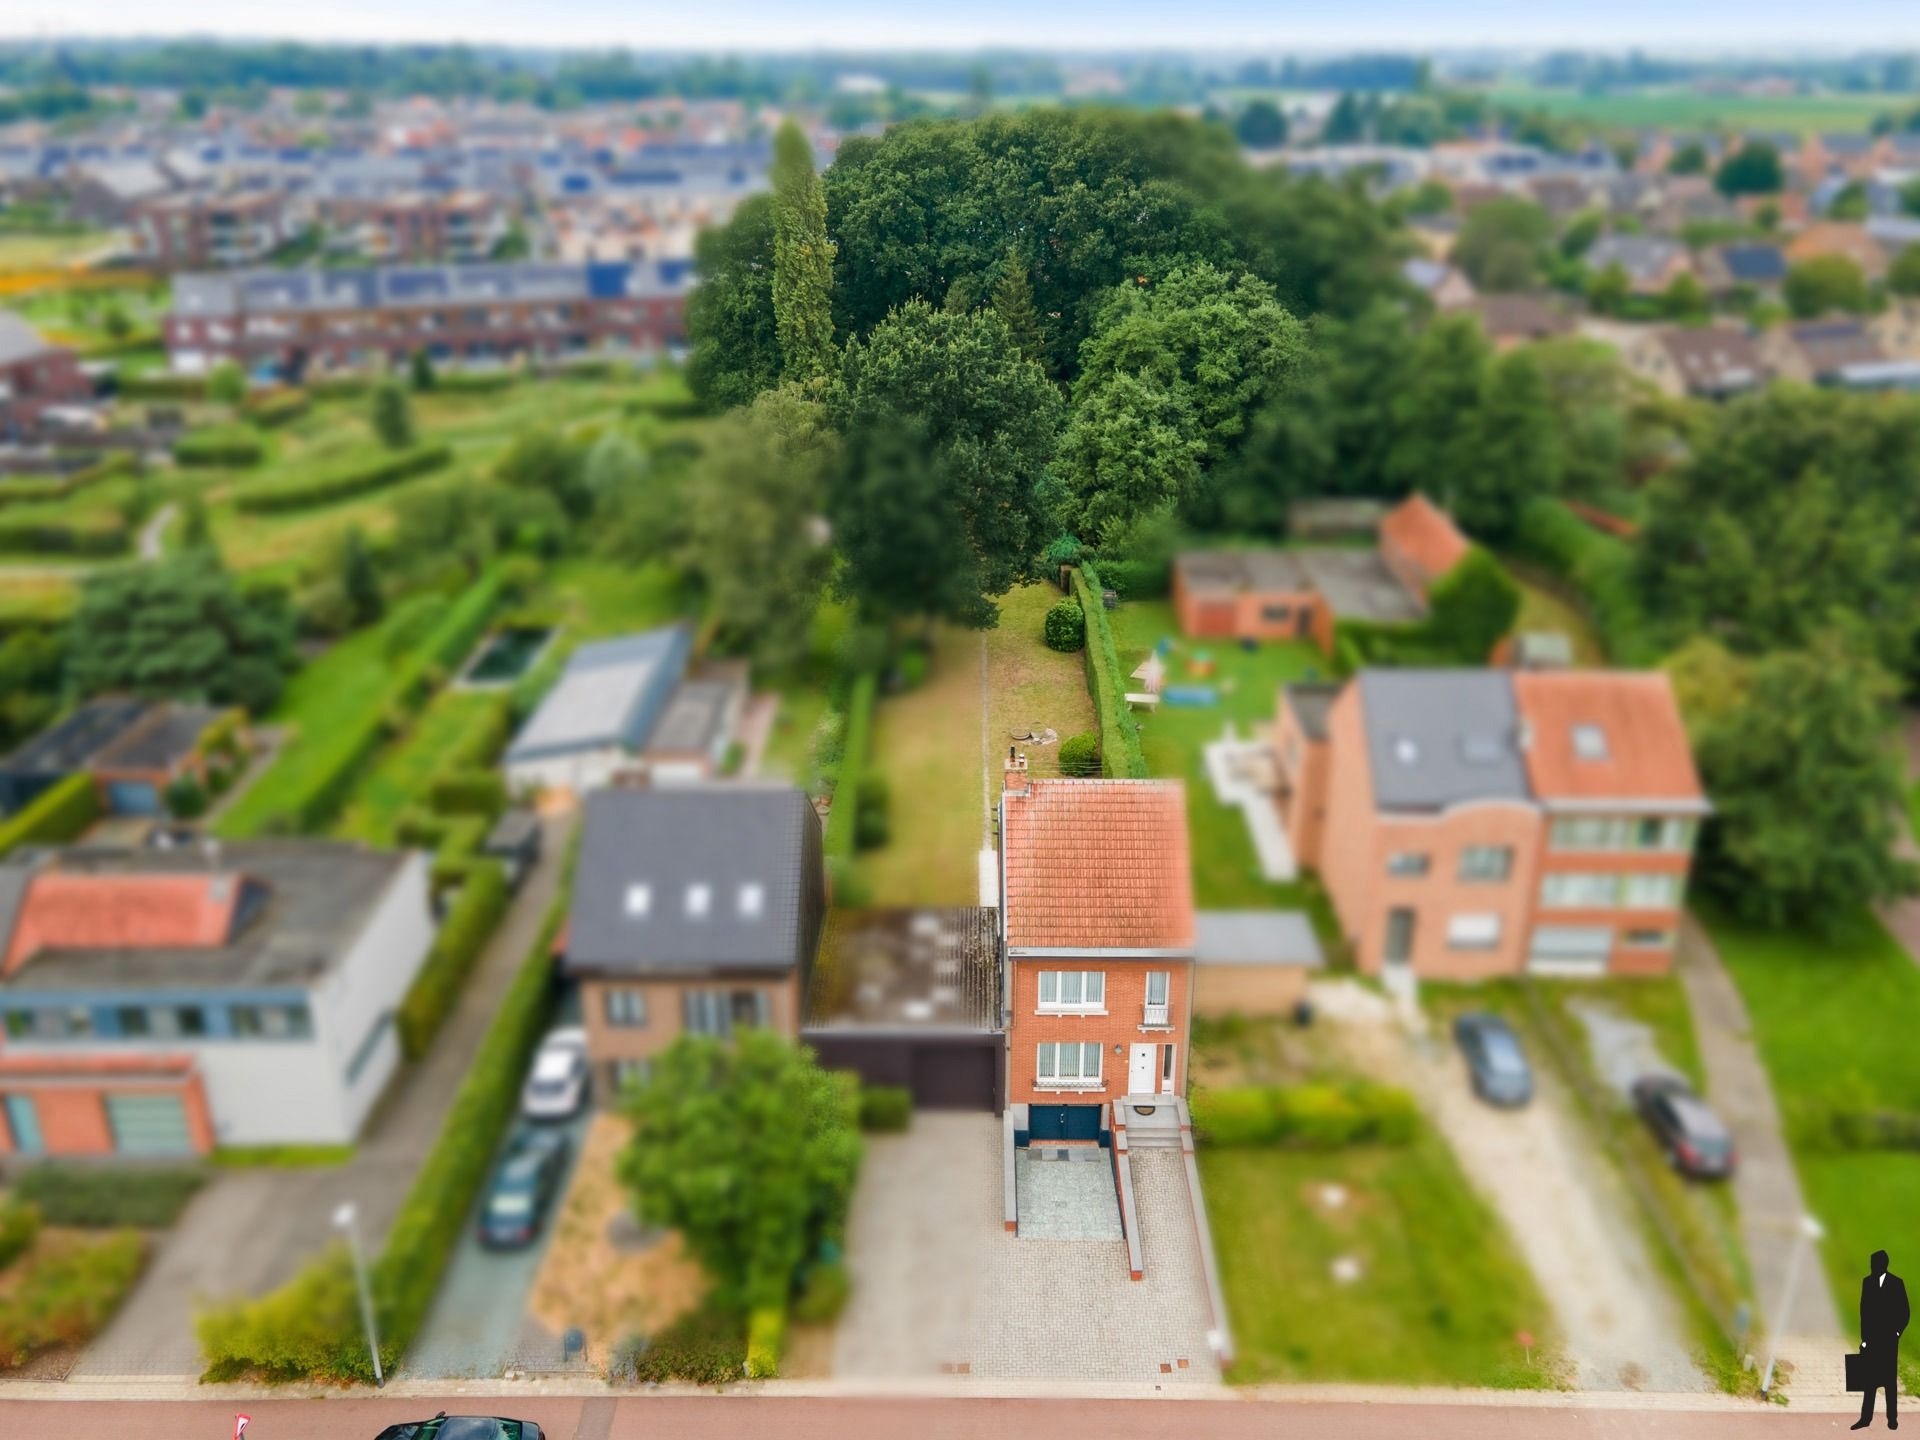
1154	1127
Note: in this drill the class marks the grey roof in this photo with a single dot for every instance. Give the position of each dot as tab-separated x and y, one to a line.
129	179
695	718
1894	232
611	694
1237	570
907	968
19	340
1641	256
1437	738
1754	264
70	743
1359	586
1256	937
646	856
160	741
1310	701
318	897
306	291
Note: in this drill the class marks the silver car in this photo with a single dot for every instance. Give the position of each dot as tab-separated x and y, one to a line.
556	1087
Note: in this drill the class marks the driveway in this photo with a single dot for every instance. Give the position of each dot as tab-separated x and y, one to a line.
247	1231
939	1286
1569	1213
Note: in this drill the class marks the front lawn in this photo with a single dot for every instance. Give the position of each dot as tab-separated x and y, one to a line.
1441	1294
1833	1017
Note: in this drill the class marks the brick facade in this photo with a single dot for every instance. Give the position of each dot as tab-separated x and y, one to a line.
1120	1023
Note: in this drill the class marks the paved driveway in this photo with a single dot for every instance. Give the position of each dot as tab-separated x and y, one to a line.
247	1231
939	1284
1569	1213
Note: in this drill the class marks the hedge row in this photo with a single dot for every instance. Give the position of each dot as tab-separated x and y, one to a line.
463	934
228	446
476	382
277	407
159	385
342	484
60	813
92	1197
52	537
1600	567
1318	1115
37	491
308	1329
843	821
1120	752
1137	579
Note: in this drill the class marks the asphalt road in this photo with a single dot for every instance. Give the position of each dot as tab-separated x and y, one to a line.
653	1417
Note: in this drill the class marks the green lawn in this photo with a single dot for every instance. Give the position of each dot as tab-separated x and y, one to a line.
595	599
1542	610
1226	873
1030	686
399	775
1680	108
1442	1293
1834	1020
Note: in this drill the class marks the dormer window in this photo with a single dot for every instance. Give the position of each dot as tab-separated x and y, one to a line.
639	901
753	900
1589	742
699	901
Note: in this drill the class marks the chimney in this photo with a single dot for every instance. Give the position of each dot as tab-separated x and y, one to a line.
210	847
1017	781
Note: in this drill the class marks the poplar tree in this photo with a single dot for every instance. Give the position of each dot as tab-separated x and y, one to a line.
802	260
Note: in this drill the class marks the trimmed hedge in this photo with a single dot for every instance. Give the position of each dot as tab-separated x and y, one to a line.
1080	756
766	1336
225	446
470	922
476	382
159	385
1318	1115
1066	627
276	407
308	1329
704	1348
885	1109
93	1197
1600	568
843	820
461	790
60	813
18	491
1137	579
54	537
19	1228
344	483
1120	752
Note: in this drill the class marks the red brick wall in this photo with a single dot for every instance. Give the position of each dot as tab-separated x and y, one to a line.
1126	994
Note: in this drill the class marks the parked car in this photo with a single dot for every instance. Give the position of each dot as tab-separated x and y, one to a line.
1697	1142
462	1427
523	1189
1501	1075
556	1087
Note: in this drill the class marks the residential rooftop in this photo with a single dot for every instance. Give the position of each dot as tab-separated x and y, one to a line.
907	968
612	693
1096	865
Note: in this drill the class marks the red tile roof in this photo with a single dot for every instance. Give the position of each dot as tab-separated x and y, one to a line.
1425	535
122	912
1098	865
1646	754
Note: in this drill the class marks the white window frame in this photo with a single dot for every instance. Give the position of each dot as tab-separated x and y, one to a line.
1053	983
1579	890
1049	1054
1474	864
1473	930
1650	890
625	1007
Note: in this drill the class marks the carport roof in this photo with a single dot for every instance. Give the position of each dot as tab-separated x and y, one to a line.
1256	937
907	968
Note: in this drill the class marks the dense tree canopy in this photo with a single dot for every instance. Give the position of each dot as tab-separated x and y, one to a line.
802	260
1502	243
1753	169
736	347
1823	284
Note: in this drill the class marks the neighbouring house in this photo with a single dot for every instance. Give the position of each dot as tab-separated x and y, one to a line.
198	230
1845	238
1097	929
35	376
1709	361
1447	286
108	193
911	997
163	1002
416	227
1298	594
695	910
1651	262
134	749
1820	351
1510	320
288	321
1252	962
1747	266
1470	824
1897	329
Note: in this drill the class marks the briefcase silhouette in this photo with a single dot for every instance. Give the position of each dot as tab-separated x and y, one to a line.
1857	1372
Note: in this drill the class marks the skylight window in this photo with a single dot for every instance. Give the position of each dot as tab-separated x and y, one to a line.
1405	750
753	900
699	901
639	901
1589	742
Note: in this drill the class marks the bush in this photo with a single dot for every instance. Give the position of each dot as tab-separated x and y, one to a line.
1066	627
63	1294
1080	755
1317	1115
885	1109
98	1197
225	446
463	934
844	819
823	1295
704	1348
1243	1115
1600	568
159	385
360	477
19	1228
468	792
873	821
275	408
1120	752
186	797
60	813
1473	606
56	537
766	1334
1137	579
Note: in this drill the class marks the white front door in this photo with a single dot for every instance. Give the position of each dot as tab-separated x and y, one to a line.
1143	1067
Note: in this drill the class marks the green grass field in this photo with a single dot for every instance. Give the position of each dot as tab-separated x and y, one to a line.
1677	108
399	775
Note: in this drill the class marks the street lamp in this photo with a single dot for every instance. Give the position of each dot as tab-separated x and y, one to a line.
343	1220
1809	1233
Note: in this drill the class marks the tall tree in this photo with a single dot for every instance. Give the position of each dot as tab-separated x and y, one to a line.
1753	169
802	259
1519	450
392	416
736	350
1436	447
359	581
1503	242
1013	303
1824	284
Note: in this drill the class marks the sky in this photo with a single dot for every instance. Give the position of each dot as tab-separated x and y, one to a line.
1237	26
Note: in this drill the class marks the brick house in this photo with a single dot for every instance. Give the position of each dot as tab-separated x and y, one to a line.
1477	823
418	227
695	909
199	230
35	376
1097	925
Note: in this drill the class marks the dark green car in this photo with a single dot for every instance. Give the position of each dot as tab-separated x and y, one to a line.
462	1427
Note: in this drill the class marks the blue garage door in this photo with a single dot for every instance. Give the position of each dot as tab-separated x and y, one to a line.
23	1125
149	1125
1063	1122
133	797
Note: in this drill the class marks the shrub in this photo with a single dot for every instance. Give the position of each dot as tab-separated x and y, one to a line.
60	813
19	1228
873	822
1066	627
363	475
1317	1115
823	1295
274	408
1473	606
227	446
1062	550
96	1197
844	819
62	1294
1080	755
186	797
885	1109
56	537
468	792
1137	579
911	670
766	1334
463	934
1240	1116
704	1348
